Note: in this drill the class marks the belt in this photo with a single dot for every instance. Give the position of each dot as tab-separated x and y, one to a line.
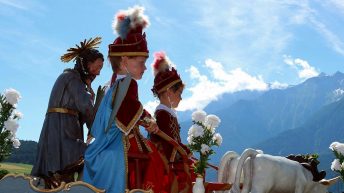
63	110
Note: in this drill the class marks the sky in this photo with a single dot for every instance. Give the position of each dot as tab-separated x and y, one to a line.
218	47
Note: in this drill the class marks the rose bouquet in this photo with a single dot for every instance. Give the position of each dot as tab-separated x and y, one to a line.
202	137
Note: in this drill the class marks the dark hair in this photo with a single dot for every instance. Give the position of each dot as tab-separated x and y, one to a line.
177	86
174	88
86	57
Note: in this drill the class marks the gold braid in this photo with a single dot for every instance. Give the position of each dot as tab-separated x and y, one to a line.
72	53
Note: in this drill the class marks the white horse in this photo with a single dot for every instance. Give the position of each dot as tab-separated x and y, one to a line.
264	173
227	168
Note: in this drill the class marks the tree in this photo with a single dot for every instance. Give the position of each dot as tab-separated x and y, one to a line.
8	122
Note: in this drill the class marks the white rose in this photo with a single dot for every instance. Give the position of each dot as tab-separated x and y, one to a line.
212	121
11	125
18	114
16	143
217	138
191	131
197	131
342	166
340	148
199	116
204	149
189	139
333	145
335	166
12	96
12	136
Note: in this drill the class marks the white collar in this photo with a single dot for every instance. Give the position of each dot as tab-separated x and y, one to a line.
164	107
120	76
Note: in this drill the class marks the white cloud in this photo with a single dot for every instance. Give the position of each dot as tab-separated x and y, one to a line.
302	66
253	37
336	43
14	4
209	88
150	106
255	34
206	90
338	4
33	6
278	85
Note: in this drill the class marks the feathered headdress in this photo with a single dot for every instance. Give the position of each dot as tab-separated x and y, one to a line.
129	25
73	53
161	62
165	74
131	20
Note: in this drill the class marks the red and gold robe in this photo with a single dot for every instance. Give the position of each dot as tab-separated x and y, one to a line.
128	119
168	123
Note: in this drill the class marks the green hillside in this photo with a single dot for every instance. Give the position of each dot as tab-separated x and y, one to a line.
16	168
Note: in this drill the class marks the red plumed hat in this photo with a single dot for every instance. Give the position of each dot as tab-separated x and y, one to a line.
129	25
165	75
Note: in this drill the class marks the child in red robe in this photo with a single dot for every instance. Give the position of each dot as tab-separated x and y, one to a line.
168	88
120	157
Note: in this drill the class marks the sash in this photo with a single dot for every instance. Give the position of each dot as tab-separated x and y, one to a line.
120	91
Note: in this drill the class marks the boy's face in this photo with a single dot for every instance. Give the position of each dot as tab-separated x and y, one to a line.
136	66
175	97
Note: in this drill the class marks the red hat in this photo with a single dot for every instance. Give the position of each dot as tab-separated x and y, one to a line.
129	25
165	75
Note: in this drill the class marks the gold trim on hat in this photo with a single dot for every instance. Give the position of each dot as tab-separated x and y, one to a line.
169	85
130	44
128	54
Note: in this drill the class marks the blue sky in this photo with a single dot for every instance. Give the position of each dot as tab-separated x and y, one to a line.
218	46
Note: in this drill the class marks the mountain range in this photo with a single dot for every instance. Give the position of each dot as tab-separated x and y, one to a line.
246	123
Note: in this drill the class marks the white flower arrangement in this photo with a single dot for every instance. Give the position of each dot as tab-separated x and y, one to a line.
212	121
338	163
335	166
202	136
199	116
8	122
218	139
11	125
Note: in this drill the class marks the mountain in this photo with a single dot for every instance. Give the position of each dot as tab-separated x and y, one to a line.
249	122
228	99
315	135
223	102
26	153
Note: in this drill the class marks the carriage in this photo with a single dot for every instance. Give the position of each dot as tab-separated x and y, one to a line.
24	183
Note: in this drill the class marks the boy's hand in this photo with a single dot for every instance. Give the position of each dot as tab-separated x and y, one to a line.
153	127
